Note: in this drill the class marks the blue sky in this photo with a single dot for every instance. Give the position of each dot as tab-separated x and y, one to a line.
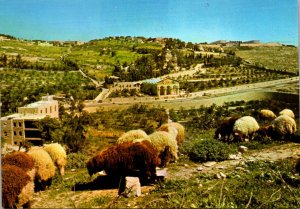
189	20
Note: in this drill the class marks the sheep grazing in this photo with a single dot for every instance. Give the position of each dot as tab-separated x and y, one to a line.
287	112
131	136
267	114
17	187
45	168
264	131
161	140
22	160
180	131
244	128
225	129
124	159
58	155
283	127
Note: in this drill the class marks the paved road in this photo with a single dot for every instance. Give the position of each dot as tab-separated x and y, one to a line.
261	85
247	92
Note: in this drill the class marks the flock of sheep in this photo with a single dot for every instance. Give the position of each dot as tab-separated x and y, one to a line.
243	128
135	152
24	173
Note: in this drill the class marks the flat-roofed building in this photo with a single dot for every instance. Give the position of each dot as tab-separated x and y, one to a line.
20	127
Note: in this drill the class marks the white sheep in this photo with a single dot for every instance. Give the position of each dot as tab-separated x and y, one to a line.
245	127
58	156
287	112
267	114
161	140
131	136
45	168
179	131
283	127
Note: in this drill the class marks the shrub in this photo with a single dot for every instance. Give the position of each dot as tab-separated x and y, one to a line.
200	150
76	160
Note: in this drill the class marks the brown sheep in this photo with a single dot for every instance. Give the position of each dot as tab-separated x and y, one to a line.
264	131
22	160
225	129
17	187
124	159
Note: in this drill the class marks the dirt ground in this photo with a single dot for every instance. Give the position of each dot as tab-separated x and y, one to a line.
73	199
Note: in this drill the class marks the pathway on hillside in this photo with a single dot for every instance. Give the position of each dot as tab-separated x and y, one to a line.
86	76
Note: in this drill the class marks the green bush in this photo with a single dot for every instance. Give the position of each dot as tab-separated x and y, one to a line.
200	150
76	160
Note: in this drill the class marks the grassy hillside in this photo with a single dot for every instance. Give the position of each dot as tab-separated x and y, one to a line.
272	57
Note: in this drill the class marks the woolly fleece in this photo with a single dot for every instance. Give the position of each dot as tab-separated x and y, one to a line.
284	125
22	160
162	139
43	163
287	112
131	136
268	114
180	131
15	183
122	159
245	125
58	155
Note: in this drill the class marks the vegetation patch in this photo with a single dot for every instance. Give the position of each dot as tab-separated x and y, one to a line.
202	150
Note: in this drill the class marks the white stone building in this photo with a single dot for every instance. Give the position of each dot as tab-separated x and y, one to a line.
20	128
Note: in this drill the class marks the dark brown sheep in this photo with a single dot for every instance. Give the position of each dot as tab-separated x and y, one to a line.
125	159
225	128
22	160
17	187
265	131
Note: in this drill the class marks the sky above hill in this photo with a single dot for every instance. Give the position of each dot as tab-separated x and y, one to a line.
188	20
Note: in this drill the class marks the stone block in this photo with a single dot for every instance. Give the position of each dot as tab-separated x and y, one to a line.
130	187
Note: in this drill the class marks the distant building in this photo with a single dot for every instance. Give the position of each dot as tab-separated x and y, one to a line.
164	87
252	42
19	128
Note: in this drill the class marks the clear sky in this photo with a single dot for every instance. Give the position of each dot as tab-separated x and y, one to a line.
188	20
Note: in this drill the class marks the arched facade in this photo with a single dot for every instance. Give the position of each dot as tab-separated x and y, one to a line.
167	87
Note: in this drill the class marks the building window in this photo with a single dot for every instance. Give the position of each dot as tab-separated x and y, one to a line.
50	109
15	133
41	111
20	133
5	133
20	124
46	110
55	108
15	124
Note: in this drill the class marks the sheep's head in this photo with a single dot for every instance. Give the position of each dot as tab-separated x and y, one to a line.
90	167
217	134
238	136
93	166
61	165
165	157
264	131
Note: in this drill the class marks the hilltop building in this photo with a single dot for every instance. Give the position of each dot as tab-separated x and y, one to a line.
19	128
